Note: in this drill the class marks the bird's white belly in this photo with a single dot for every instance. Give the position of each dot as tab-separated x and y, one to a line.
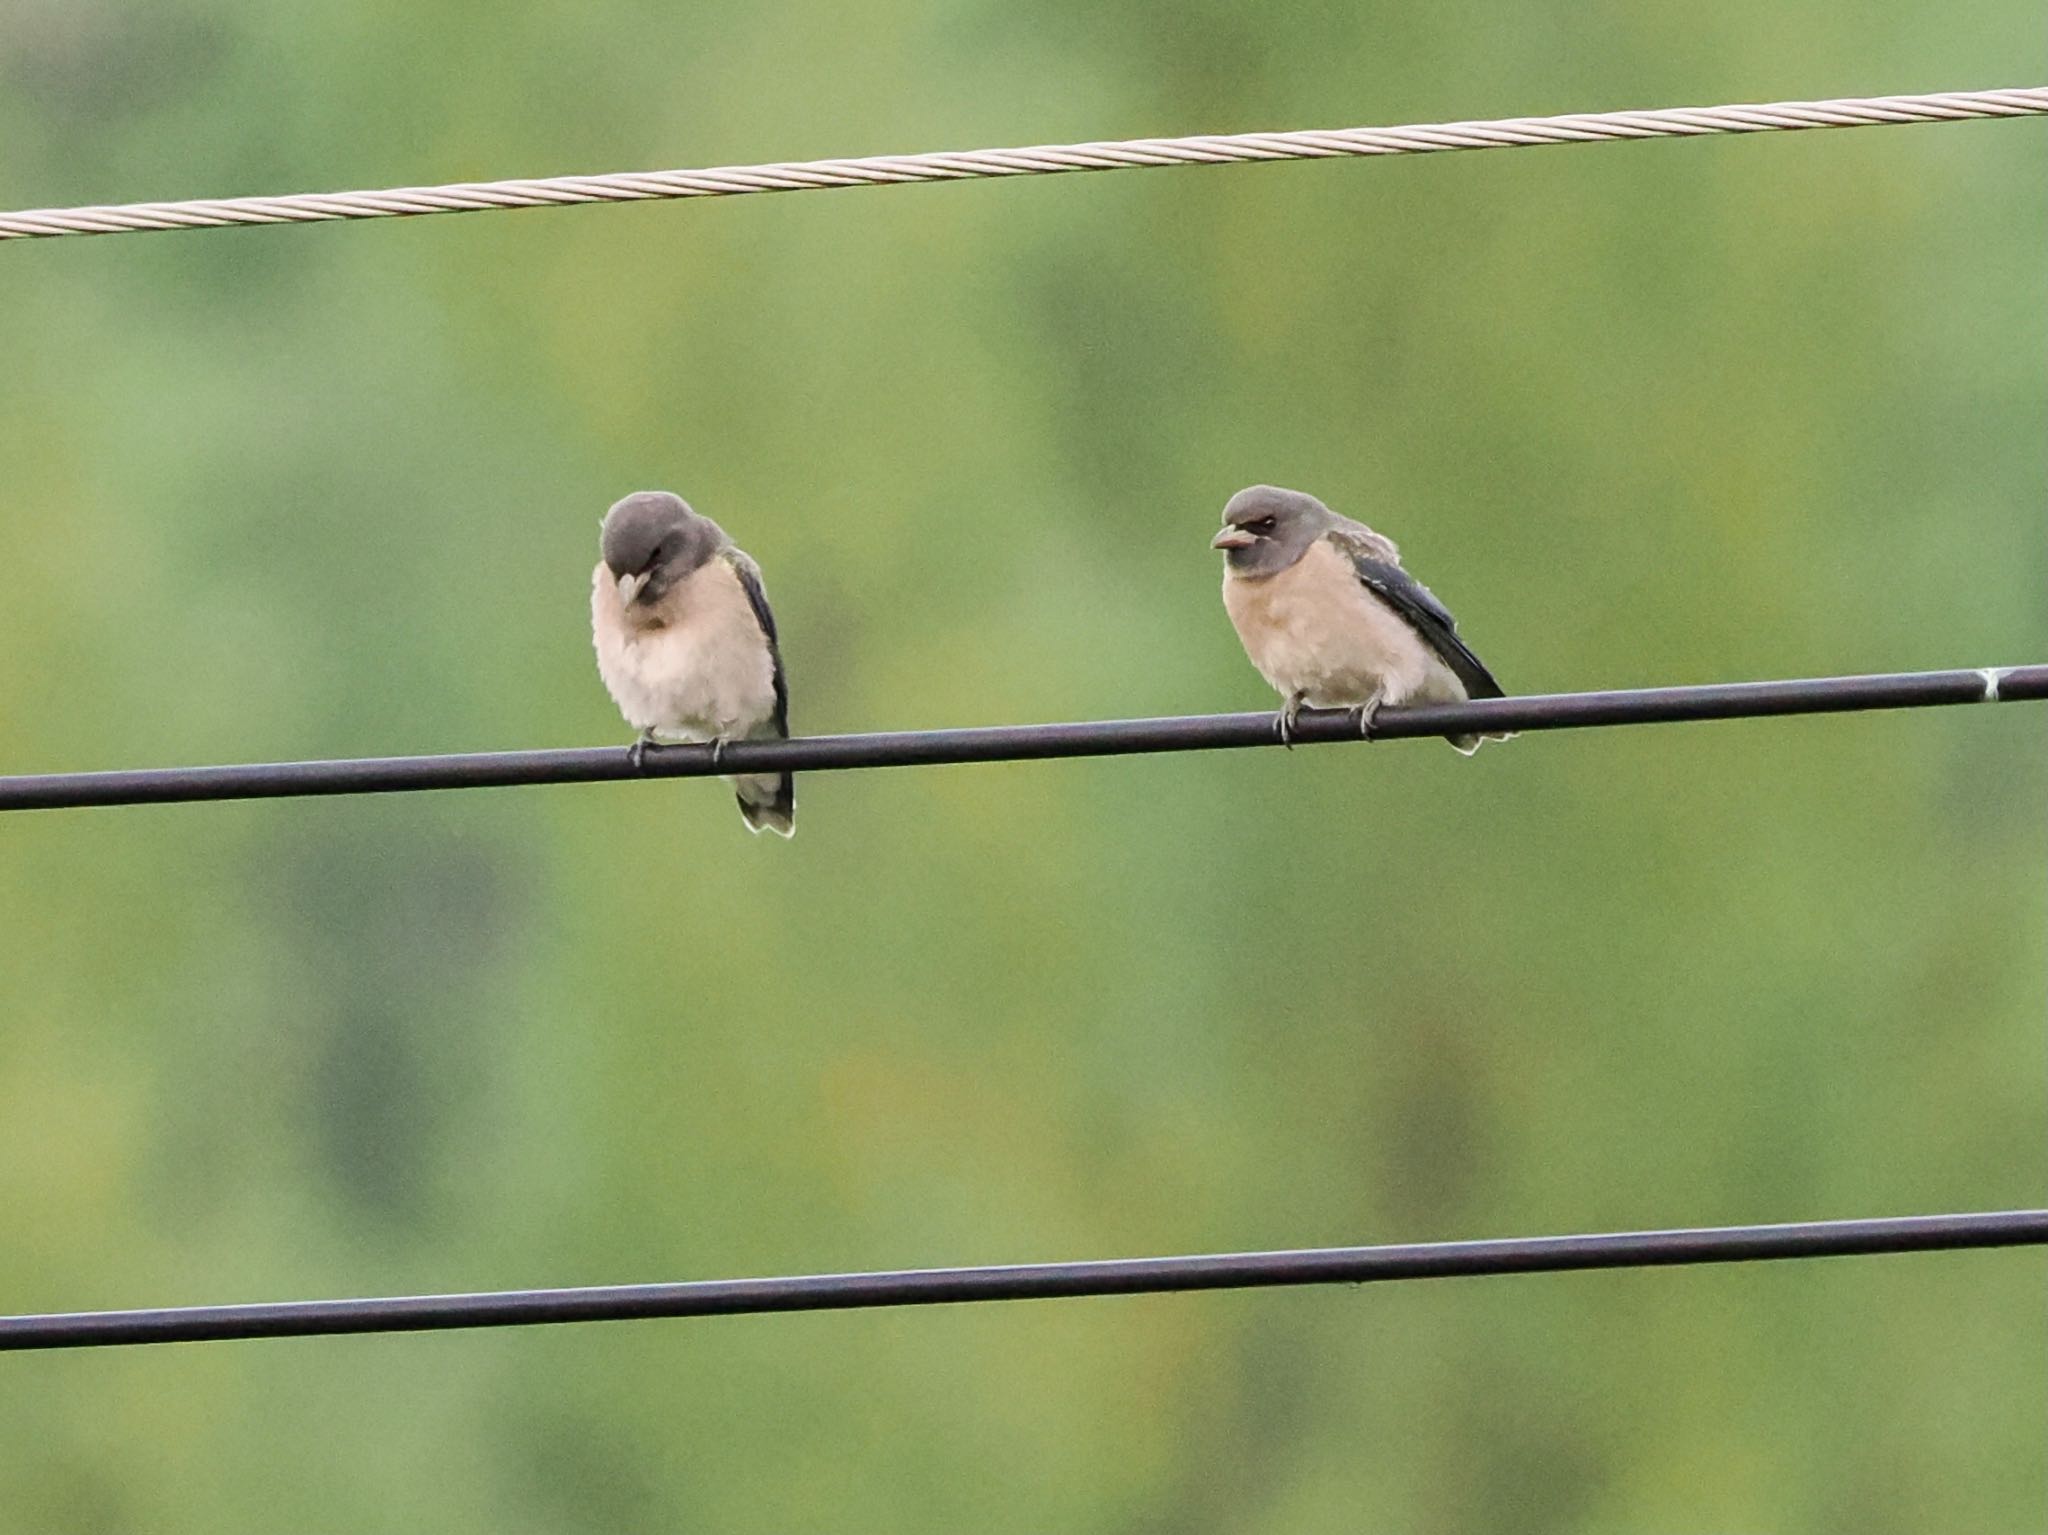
703	676
1316	630
677	686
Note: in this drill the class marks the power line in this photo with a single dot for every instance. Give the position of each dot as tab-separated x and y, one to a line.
1036	1281
1015	743
1040	160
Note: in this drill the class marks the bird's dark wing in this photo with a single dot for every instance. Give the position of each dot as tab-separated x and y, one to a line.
757	598
1429	618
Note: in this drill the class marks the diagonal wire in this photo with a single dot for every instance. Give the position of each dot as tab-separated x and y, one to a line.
1035	1281
1018	743
1041	160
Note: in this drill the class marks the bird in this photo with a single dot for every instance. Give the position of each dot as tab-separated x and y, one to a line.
1330	618
686	642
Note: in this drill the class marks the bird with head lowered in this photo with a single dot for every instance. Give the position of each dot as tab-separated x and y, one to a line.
1330	618
686	643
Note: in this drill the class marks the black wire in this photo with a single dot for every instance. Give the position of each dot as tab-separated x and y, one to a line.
1011	743
1040	1281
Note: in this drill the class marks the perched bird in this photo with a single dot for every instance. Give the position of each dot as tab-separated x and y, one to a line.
1330	618
685	641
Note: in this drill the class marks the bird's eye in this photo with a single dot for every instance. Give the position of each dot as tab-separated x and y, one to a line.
1262	526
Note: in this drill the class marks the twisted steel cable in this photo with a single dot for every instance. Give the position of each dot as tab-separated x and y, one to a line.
1040	160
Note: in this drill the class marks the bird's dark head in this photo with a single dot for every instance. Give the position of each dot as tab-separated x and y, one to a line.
651	540
1266	529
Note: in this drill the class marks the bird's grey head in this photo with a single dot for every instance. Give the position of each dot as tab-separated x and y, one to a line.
651	540
1266	529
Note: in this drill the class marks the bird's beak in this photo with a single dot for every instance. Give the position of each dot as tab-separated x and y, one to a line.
629	588
1232	538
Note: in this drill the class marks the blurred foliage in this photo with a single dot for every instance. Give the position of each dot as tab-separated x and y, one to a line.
1641	414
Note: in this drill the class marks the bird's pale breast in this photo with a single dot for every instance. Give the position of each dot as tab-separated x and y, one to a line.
696	668
1315	629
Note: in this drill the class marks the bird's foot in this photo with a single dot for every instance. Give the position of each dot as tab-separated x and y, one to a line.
637	752
1367	712
718	746
1289	717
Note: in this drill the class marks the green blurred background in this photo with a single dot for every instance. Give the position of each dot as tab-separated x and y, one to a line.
1649	414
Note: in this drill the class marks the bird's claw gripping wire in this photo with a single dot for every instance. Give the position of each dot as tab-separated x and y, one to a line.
1367	713
637	752
1288	718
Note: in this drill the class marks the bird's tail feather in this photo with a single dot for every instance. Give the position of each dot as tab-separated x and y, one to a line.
1481	686
1470	744
768	802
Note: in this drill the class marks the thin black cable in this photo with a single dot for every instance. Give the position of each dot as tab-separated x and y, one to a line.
1016	743
1038	1281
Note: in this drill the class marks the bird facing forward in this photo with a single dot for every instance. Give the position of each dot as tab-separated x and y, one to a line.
686	643
1330	618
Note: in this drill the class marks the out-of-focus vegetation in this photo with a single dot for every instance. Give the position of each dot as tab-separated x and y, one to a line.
1643	414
